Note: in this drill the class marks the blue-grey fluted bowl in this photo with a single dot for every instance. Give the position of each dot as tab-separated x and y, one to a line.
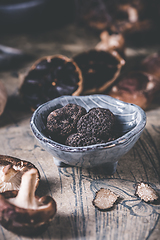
131	121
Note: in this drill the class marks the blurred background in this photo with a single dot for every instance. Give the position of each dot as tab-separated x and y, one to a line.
31	29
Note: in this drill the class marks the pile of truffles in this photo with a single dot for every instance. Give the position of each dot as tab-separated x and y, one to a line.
74	126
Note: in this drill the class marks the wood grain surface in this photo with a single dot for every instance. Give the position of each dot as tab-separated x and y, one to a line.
74	188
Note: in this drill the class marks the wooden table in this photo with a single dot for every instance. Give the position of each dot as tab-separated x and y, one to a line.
74	188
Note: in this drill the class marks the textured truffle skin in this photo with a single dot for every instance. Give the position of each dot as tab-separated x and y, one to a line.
62	122
97	122
80	140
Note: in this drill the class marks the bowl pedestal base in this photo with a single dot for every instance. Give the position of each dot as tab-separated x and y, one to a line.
109	167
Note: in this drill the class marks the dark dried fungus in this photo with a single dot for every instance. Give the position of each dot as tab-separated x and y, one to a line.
99	69
93	14
151	64
97	122
62	122
139	88
131	17
80	140
51	77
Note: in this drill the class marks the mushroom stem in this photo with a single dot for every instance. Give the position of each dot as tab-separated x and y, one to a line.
26	195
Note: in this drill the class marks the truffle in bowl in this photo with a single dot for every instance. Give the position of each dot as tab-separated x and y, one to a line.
130	120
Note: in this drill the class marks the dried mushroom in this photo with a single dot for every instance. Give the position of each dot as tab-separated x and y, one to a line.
113	41
99	69
24	213
131	17
146	192
136	87
105	199
11	171
3	97
151	64
51	77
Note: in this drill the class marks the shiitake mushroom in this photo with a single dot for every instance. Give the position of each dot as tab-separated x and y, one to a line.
11	172
24	213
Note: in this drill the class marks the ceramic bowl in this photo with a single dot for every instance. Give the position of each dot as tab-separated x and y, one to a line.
131	121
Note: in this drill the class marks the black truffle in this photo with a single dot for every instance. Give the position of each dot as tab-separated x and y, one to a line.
80	140
62	122
97	122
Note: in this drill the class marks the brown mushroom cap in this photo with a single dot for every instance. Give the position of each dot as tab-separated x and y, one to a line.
135	87
51	77
23	213
11	171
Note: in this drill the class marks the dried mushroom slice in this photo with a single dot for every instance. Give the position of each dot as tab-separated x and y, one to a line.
24	213
3	97
51	77
11	171
136	87
99	69
105	199
146	192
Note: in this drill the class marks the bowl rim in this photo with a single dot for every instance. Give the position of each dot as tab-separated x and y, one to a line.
119	141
